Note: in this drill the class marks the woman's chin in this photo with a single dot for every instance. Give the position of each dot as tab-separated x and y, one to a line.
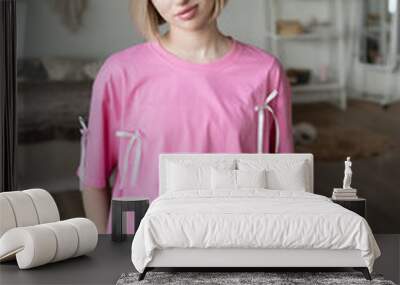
195	24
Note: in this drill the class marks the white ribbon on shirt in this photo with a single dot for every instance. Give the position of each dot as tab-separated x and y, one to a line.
134	136
84	134
261	118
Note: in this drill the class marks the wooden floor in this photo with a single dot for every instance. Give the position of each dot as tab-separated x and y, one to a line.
378	178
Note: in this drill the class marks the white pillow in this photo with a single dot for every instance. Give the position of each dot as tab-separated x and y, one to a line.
293	179
237	179
281	174
251	178
181	177
223	179
188	175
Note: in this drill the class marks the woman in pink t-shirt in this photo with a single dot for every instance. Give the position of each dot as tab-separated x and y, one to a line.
191	89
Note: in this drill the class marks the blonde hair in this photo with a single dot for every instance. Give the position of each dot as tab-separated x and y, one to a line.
148	20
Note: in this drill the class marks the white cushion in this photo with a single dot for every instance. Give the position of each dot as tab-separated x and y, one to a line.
237	179
45	205
281	174
66	237
26	208
87	233
190	175
251	178
32	246
7	218
23	208
223	179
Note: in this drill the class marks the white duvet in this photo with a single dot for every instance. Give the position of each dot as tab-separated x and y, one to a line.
251	218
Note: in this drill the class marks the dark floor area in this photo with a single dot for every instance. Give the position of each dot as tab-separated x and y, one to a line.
110	259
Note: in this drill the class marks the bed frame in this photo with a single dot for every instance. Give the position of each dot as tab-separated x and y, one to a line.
242	259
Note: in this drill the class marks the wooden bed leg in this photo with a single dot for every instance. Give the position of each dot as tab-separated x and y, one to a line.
364	271
143	274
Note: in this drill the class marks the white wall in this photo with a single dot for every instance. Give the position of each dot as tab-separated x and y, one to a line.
107	27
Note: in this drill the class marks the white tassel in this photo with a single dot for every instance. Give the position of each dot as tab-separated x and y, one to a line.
133	136
261	120
84	134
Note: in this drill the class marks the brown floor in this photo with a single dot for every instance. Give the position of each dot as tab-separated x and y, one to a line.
377	178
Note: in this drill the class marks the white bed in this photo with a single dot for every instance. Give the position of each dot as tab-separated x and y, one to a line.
250	227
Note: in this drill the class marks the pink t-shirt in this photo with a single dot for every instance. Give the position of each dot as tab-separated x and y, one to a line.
169	104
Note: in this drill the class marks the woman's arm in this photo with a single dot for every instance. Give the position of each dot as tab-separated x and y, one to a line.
282	106
101	148
96	202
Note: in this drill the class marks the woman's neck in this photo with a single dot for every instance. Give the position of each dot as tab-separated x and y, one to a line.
202	45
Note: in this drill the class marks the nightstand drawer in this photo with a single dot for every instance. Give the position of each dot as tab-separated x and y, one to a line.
358	206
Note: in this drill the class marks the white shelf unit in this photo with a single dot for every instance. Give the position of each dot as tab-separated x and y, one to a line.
333	90
387	34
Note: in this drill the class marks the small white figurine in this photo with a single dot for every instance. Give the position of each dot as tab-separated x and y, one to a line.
347	174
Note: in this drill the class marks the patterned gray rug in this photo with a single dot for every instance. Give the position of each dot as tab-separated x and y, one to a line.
270	278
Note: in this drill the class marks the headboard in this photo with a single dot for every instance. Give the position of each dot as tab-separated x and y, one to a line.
164	157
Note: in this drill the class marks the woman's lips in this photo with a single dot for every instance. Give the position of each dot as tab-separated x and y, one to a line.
187	14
